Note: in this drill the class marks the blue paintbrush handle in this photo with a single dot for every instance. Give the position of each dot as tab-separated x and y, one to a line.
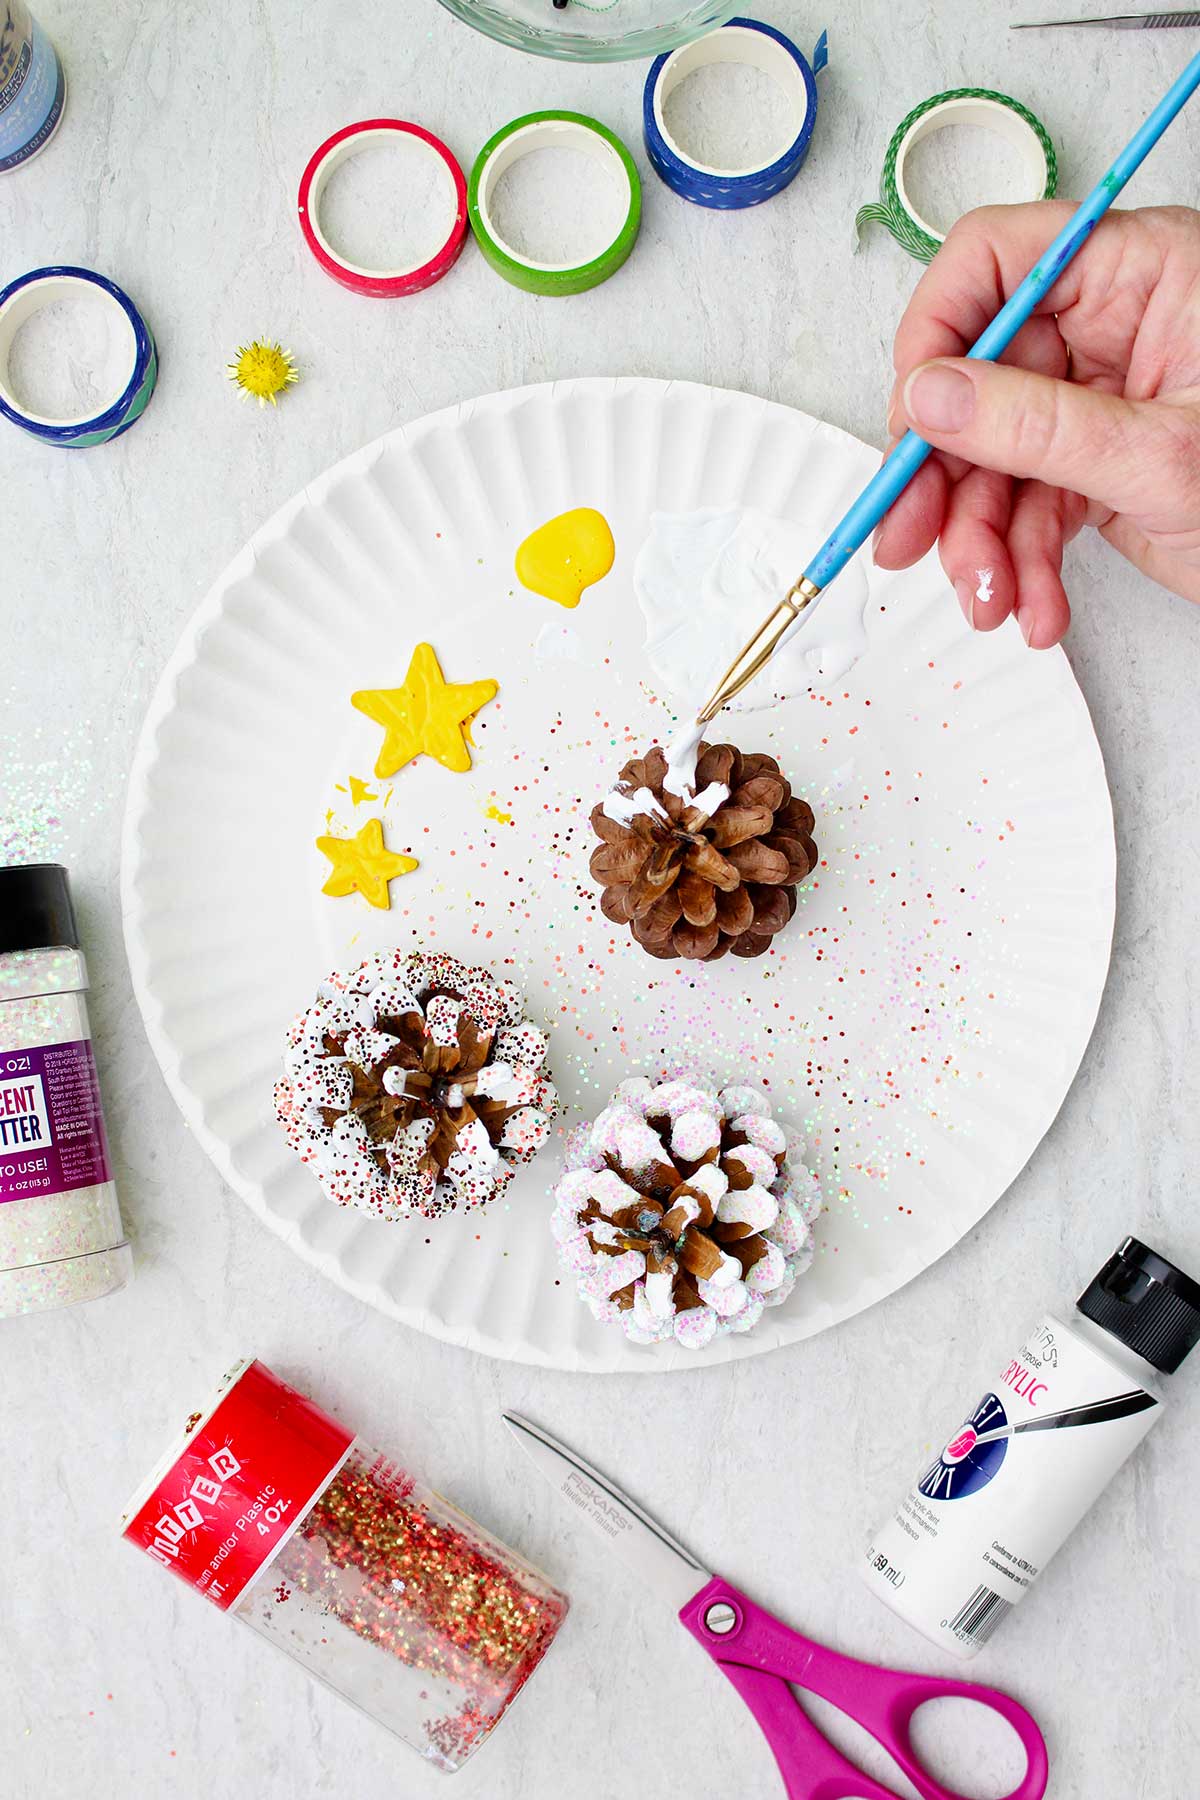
886	487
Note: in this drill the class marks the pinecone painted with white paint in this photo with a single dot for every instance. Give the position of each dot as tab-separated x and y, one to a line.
684	1211
695	883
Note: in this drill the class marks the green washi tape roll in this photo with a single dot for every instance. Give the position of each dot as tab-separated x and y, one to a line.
958	106
551	131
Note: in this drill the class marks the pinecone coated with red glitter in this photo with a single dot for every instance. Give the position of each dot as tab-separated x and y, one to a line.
695	883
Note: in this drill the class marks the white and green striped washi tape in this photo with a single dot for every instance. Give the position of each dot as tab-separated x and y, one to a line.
958	106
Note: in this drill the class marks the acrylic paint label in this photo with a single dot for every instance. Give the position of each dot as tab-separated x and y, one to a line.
971	1537
51	1126
240	1485
32	88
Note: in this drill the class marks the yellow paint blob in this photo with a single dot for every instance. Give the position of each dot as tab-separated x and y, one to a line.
566	555
360	791
501	818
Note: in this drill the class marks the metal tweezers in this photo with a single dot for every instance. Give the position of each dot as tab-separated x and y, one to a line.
1154	21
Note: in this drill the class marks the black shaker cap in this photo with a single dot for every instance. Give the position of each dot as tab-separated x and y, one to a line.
35	908
1145	1302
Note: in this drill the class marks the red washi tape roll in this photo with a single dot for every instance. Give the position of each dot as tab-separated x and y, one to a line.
381	284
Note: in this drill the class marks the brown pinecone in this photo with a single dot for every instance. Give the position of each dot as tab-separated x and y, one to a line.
415	1084
696	885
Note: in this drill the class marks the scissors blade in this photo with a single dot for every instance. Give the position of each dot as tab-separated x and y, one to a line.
643	1546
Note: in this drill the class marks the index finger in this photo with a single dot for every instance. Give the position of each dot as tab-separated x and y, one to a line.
985	257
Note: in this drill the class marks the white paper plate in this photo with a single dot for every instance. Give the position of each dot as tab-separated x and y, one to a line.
924	1014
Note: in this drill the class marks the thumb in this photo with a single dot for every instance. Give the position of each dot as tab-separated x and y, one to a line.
1128	455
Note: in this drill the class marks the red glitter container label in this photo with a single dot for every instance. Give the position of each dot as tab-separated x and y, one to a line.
223	1503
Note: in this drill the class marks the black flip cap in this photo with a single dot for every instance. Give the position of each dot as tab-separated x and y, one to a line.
1148	1304
35	908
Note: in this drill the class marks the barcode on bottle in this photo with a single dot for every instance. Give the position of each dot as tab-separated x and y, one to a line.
977	1620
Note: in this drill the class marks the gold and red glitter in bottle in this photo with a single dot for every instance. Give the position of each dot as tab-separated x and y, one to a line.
277	1513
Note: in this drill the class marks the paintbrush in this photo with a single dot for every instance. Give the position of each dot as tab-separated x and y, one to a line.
886	486
1093	1412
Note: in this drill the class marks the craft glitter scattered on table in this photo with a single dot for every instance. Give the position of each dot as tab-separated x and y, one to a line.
910	988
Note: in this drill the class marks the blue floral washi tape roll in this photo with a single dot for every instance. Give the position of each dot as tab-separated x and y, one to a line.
28	295
752	45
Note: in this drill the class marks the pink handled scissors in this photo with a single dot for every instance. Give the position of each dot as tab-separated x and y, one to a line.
762	1656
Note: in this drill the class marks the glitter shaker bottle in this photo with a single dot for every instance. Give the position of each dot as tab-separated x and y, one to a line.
380	1588
61	1238
32	87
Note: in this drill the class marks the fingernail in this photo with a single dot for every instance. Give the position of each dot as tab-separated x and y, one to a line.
966	599
939	398
1026	629
895	418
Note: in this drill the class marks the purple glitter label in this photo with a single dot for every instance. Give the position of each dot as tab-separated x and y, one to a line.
51	1127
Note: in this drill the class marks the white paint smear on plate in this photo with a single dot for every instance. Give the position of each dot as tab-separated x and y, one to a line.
705	582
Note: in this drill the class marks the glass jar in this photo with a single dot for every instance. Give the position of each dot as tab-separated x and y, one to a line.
380	1588
61	1238
594	30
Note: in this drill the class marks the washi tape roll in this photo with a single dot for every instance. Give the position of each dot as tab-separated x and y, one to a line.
958	106
32	86
755	46
551	131
380	284
30	294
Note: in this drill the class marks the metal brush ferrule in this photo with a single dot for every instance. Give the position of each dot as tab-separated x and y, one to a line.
761	648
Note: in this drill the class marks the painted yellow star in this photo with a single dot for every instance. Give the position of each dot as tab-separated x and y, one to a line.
426	715
364	863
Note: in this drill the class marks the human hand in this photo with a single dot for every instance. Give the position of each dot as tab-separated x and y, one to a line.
1092	416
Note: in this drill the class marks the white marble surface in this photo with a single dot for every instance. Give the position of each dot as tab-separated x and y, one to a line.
187	128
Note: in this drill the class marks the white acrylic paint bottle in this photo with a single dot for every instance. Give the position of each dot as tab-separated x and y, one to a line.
972	1536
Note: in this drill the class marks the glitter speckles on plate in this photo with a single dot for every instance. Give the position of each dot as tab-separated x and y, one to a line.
919	1020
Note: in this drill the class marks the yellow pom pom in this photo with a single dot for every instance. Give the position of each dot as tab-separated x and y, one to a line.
262	371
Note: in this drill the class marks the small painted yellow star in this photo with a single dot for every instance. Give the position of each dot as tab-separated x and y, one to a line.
426	715
262	371
363	863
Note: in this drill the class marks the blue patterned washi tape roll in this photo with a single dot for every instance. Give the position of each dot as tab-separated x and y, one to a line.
32	86
752	45
28	295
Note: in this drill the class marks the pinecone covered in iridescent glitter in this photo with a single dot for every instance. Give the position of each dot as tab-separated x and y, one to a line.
684	1211
415	1085
695	876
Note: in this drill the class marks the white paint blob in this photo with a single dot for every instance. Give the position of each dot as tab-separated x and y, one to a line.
624	808
559	643
682	755
983	593
705	582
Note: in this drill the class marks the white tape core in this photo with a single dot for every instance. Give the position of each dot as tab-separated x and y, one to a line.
993	117
351	146
750	49
35	298
547	134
